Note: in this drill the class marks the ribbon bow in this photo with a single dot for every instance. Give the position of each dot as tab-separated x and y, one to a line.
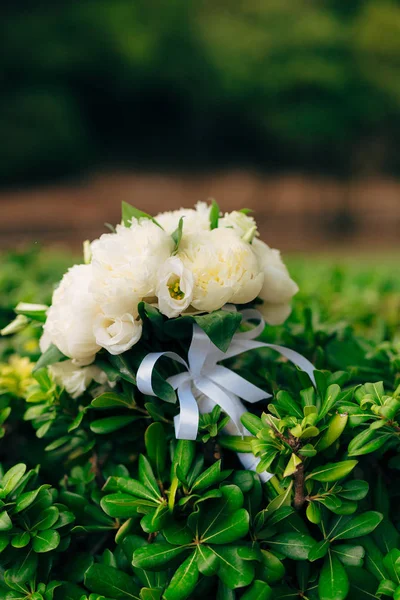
218	384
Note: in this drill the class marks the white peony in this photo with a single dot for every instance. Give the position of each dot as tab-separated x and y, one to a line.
224	267
194	220
275	314
69	323
129	259
117	334
125	266
244	225
278	287
75	380
175	287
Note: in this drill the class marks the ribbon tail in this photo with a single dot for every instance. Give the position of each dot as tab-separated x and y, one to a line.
187	422
237	385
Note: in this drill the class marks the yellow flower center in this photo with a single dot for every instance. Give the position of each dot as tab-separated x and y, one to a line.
175	291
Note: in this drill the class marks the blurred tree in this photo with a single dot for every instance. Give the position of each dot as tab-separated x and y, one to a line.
279	83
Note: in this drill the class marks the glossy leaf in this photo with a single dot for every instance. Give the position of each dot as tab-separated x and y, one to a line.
156	555
111	582
332	471
184	580
292	545
111	424
333	582
259	590
358	526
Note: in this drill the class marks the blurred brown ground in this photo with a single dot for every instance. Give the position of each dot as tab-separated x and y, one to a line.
294	212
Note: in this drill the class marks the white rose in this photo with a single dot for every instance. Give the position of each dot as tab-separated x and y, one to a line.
117	334
195	220
69	323
224	267
244	225
75	380
175	287
278	287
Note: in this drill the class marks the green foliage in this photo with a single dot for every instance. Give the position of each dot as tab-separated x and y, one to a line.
121	509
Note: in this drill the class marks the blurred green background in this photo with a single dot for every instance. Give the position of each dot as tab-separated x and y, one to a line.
288	107
312	85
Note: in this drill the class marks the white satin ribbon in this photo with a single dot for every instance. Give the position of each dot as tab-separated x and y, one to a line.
214	383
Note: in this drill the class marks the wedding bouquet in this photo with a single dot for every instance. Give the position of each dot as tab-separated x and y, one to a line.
180	263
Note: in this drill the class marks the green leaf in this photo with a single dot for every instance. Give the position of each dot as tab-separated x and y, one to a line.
129	212
259	590
44	541
362	584
22	571
18	324
252	423
134	487
224	593
291	467
111	424
391	563
146	475
4	414
273	569
331	396
51	356
229	529
21	540
334	430
28	498
185	451
220	326
121	363
350	556
33	311
333	582
111	582
214	215
156	447
184	580
313	513
121	506
358	526
11	479
319	550
236	443
217	509
111	400
209	477
207	561
46	519
150	594
354	490
234	571
5	521
293	545
332	471
153	556
359	446
386	588
177	235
